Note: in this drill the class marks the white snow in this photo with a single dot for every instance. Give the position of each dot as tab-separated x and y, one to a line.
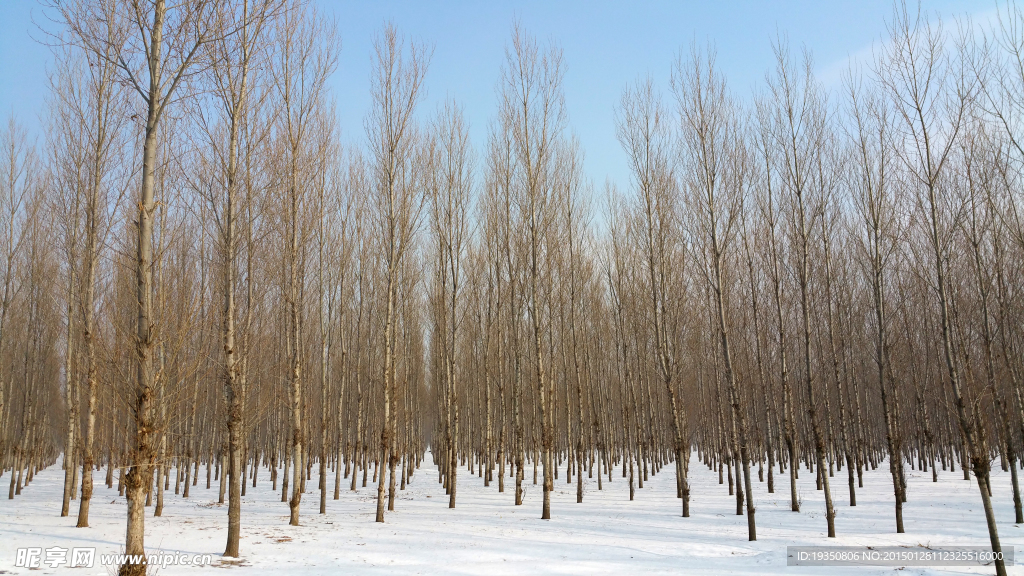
488	534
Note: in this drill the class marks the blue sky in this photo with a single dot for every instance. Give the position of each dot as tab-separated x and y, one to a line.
607	45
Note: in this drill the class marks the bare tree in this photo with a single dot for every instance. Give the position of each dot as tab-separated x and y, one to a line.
21	176
450	184
931	92
531	103
68	165
714	159
397	86
801	133
881	212
644	132
306	56
155	50
237	60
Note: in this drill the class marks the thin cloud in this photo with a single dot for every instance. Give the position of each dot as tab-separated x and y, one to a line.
831	74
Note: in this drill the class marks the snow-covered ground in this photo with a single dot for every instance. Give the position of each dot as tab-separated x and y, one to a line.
488	534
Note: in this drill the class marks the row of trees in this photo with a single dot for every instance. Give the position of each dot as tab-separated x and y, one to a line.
198	273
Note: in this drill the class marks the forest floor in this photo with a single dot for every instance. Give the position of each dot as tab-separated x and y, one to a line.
488	534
